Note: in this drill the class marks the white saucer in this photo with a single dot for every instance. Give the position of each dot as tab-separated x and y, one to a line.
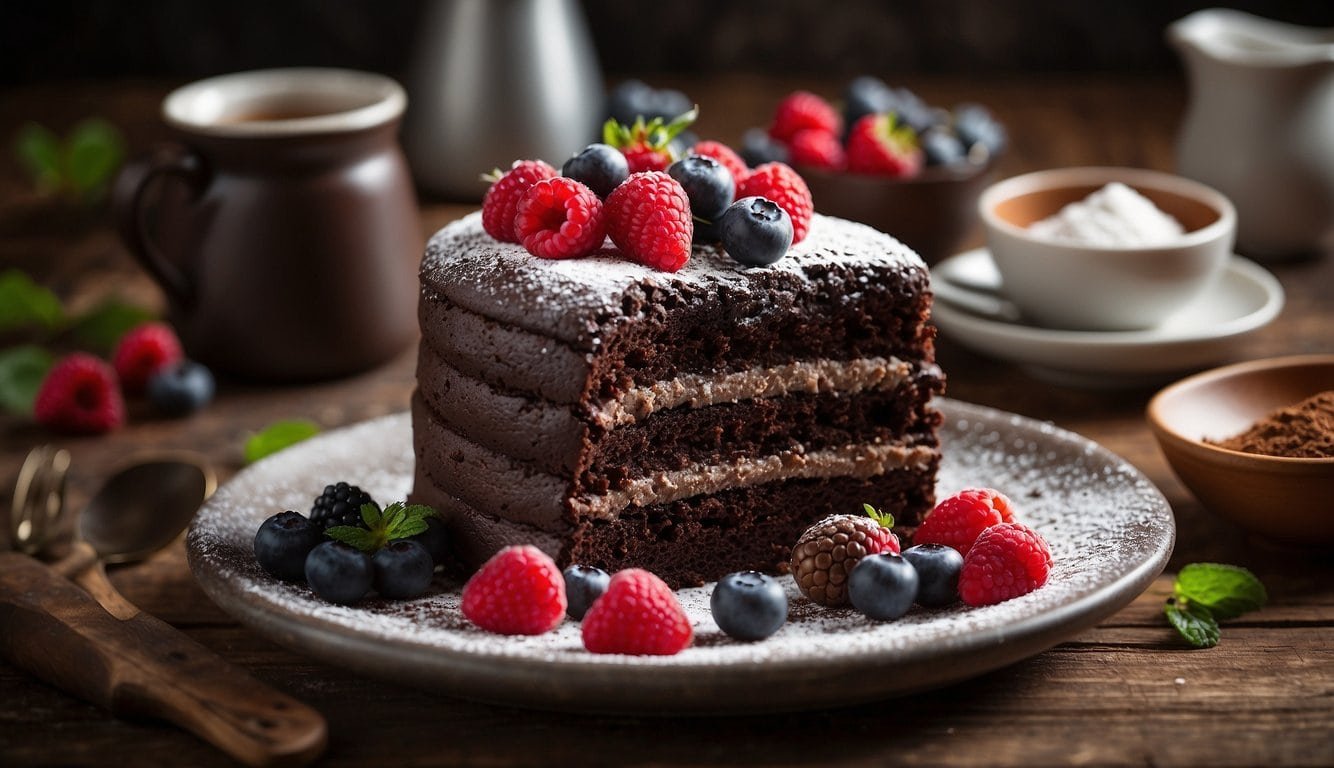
970	310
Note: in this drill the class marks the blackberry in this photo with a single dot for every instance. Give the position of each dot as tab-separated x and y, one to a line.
340	504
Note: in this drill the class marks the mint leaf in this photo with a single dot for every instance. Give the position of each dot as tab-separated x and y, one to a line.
278	436
1227	591
101	327
38	151
396	521
21	372
1194	622
360	538
93	152
25	304
370	515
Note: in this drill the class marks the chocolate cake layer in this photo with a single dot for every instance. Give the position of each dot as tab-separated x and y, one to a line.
692	541
517	491
672	424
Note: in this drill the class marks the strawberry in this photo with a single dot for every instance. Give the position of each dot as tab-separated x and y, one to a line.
880	145
79	395
817	149
725	155
143	351
802	110
648	218
781	184
958	520
519	591
1007	560
647	145
502	199
639	615
560	218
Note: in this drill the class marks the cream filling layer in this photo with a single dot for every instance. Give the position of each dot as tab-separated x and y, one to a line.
698	391
858	461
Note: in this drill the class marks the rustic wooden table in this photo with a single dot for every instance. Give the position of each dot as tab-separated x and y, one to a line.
1127	692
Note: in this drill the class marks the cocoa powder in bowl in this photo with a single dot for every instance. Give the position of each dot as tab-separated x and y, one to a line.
1301	431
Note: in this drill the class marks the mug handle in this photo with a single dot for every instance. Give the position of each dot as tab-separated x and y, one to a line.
128	198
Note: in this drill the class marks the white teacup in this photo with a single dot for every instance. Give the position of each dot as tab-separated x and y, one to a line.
1104	287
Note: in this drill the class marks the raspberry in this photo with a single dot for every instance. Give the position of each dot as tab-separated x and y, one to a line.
79	395
958	520
143	351
781	184
725	155
648	217
647	145
882	146
519	591
828	551
638	614
1008	560
502	199
801	110
560	219
817	149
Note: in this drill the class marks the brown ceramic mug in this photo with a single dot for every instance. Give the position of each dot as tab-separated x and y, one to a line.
282	223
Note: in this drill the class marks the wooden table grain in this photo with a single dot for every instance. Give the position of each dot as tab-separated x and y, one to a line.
1127	692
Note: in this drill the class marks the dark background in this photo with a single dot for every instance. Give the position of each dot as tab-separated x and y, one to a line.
63	40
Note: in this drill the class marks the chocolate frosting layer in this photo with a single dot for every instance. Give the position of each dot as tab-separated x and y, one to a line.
577	301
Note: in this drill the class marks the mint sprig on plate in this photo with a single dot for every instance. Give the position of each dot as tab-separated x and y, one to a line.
396	521
1207	593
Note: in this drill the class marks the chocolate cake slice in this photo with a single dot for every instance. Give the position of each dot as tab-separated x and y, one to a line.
691	423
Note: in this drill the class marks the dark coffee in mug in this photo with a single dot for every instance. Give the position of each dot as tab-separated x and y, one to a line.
286	233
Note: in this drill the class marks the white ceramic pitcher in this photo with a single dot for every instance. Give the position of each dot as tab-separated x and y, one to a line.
1260	126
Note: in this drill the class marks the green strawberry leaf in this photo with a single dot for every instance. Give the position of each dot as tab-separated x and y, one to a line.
1194	623
38	151
22	369
25	304
1227	591
277	436
885	519
101	327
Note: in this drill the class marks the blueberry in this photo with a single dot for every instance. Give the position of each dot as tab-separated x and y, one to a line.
917	114
882	586
758	147
937	569
403	569
181	389
630	99
600	167
435	539
975	125
755	231
707	183
339	573
583	585
748	605
282	543
942	147
667	103
864	96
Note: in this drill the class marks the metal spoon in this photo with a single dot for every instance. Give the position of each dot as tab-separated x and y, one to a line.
97	645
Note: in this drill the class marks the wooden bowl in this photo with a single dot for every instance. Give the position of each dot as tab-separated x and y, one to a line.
1284	499
933	213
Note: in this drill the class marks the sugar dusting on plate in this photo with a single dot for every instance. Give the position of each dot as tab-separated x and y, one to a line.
1104	522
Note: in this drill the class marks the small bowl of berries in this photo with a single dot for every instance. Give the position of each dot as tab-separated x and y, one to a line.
887	159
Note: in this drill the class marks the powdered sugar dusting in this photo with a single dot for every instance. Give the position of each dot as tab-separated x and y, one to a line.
1106	524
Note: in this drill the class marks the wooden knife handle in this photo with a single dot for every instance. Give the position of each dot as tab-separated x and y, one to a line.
145	667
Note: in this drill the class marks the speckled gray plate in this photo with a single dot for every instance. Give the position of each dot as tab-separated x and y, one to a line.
1109	528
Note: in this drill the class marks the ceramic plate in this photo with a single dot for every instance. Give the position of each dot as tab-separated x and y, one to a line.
970	311
1109	529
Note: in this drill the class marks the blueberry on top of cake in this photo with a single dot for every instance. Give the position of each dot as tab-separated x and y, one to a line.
691	423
